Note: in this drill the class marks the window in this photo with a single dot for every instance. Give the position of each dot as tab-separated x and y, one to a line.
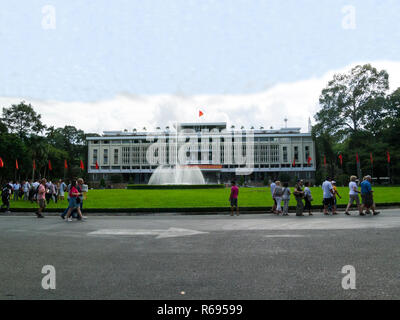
94	156
285	154
115	156
126	155
296	153
105	156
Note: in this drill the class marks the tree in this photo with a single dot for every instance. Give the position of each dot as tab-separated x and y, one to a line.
347	100
22	119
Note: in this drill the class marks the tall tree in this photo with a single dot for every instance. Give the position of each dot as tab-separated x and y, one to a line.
22	119
346	101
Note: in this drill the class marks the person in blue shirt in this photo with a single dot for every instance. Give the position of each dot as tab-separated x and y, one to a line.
367	196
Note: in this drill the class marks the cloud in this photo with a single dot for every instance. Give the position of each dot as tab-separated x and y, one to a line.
295	100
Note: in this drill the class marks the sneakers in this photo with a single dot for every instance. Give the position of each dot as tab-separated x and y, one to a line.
376	213
347	213
84	217
362	214
69	219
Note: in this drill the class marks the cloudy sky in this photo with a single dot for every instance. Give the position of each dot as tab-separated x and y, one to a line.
124	64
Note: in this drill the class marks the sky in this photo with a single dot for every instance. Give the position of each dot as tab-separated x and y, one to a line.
124	64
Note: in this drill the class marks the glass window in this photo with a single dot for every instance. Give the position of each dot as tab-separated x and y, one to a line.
105	156
94	156
285	154
115	156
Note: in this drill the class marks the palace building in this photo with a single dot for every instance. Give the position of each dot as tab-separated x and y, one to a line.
221	153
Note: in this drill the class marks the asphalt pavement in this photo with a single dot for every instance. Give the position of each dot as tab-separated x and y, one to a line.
201	257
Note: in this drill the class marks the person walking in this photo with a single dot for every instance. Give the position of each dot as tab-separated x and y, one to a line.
286	199
299	195
25	189
233	198
335	193
41	198
353	196
62	188
73	195
328	194
16	188
367	196
278	193
5	197
308	198
272	187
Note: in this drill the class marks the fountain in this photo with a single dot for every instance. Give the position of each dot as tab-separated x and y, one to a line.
176	175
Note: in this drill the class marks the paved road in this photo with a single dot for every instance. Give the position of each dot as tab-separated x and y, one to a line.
201	257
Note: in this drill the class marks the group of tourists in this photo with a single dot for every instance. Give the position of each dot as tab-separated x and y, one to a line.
281	193
43	191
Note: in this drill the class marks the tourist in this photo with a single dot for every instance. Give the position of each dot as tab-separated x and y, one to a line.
273	186
35	189
299	195
233	198
62	188
5	197
277	195
353	196
308	198
16	188
335	193
80	190
73	203
25	189
367	196
41	198
328	194
286	199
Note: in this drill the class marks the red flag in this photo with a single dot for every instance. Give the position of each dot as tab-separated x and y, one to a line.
50	167
65	164
34	165
371	158
294	162
1	163
309	160
341	159
16	165
82	166
388	156
97	165
200	113
357	159
324	160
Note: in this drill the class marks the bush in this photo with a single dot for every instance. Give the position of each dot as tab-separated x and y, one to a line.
102	183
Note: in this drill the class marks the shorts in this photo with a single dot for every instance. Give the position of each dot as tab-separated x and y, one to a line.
354	197
72	203
234	202
42	203
367	199
328	202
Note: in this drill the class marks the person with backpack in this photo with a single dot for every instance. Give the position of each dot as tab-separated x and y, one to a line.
277	195
5	197
286	198
73	203
299	195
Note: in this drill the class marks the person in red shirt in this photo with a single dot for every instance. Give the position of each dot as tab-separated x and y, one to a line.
73	202
233	198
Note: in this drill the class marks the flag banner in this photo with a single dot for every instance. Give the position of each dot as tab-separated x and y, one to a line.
16	165
50	167
341	159
97	165
324	160
65	164
371	158
82	166
201	113
357	159
388	156
309	160
1	163
294	162
34	165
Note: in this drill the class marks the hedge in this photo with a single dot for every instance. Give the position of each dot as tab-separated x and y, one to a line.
174	186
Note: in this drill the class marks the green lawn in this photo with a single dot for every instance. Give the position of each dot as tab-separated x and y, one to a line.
248	197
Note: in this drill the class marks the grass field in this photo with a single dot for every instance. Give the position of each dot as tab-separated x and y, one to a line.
248	197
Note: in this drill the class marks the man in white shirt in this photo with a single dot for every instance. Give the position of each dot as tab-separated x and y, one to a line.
16	188
353	195
328	196
273	186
